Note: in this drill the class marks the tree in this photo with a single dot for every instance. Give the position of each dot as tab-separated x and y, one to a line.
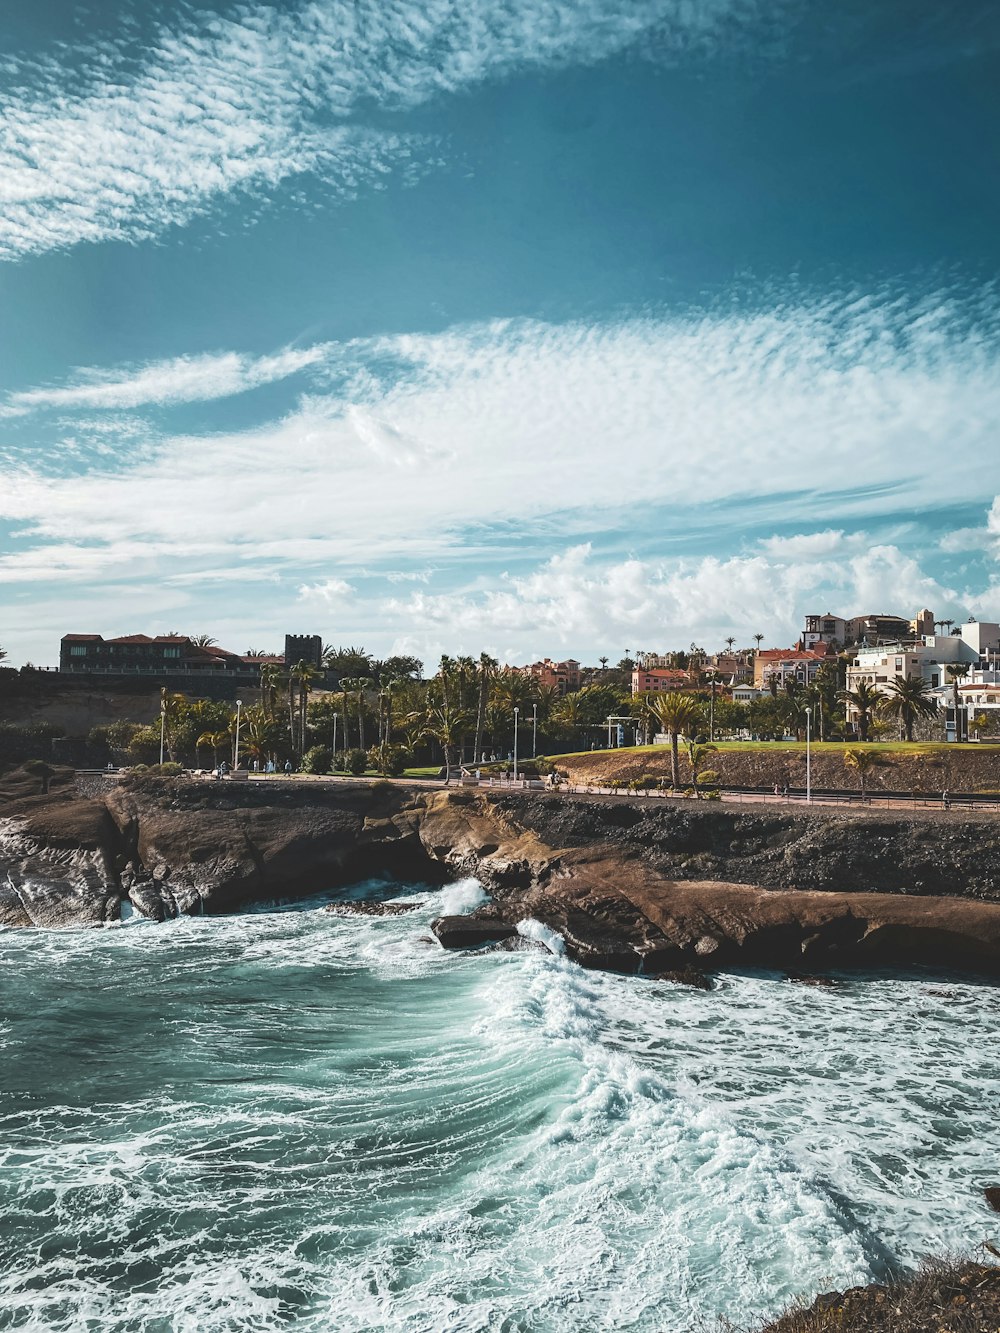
604	663
956	671
447	725
909	698
730	641
3	654
865	762
304	674
203	640
677	714
697	753
864	699
214	740
486	670
758	640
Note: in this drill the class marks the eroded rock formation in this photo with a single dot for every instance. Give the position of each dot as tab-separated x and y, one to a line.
629	885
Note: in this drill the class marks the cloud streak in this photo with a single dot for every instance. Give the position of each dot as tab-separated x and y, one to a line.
114	142
184	379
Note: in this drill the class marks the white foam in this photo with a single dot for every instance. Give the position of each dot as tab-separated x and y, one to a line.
530	929
462	897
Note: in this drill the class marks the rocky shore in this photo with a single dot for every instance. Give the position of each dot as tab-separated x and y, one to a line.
629	885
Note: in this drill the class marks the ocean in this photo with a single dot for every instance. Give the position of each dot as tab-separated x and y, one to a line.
290	1118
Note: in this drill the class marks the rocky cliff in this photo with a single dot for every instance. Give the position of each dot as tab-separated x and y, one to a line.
629	884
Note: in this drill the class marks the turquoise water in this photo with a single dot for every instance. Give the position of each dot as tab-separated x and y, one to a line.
293	1119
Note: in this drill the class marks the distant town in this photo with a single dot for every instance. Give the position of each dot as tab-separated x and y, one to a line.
865	678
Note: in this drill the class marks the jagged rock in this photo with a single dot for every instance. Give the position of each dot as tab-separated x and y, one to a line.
615	878
992	1193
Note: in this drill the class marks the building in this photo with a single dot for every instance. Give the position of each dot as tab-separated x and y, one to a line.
131	653
563	677
304	648
732	667
827	628
658	681
879	628
784	666
159	654
973	650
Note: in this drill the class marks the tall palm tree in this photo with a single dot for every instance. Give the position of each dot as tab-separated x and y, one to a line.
172	707
271	678
758	640
361	683
730	641
909	698
956	671
486	669
864	762
447	725
677	714
864	699
304	673
203	641
604	662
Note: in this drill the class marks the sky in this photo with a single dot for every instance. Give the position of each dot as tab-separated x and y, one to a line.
539	327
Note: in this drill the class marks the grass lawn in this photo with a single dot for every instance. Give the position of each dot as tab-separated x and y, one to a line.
432	772
817	747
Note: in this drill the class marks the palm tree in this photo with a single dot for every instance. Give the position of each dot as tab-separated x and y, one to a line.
172	707
956	671
908	698
864	699
215	740
271	677
604	662
447	725
361	683
203	641
3	653
676	713
697	753
730	641
304	673
864	761
486	669
758	639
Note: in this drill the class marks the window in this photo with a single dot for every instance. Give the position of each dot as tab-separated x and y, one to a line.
78	650
172	652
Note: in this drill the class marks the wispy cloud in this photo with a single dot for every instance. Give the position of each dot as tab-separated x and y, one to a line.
813	420
184	379
113	141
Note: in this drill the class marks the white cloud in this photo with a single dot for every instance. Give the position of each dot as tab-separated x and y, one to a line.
108	141
326	593
184	379
575	603
490	447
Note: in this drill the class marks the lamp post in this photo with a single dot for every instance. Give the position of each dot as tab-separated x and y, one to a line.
236	745
333	753
809	754
516	711
711	708
534	730
163	719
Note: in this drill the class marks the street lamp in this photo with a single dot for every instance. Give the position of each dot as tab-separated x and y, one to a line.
534	730
163	719
516	711
236	746
809	754
333	756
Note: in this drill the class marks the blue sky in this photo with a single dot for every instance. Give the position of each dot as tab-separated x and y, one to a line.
540	326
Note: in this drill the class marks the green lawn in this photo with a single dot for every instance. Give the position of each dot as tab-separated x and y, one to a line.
432	772
818	747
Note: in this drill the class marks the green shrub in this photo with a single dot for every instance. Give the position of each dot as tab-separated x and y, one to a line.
390	760
166	770
355	761
317	760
